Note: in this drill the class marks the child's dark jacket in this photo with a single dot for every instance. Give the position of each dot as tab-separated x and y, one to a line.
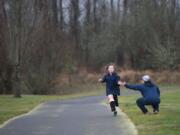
112	86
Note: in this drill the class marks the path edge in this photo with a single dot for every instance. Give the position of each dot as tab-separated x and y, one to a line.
129	122
20	116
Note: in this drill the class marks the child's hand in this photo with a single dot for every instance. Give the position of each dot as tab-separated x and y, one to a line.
100	80
122	83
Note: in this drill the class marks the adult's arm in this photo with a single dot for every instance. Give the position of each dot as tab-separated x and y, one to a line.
158	91
134	87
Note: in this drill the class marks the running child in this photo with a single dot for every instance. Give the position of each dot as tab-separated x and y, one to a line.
112	87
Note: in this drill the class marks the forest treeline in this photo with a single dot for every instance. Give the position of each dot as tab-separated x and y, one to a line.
40	39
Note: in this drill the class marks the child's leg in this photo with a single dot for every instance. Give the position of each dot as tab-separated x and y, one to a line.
112	103
116	100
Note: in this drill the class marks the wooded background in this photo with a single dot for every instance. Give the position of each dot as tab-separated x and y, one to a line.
40	39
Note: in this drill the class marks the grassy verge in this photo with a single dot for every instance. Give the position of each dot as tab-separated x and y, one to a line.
165	123
10	106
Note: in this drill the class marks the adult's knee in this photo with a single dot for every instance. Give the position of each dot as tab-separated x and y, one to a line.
140	101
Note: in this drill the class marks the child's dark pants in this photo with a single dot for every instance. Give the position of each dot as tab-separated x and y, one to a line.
141	102
114	103
116	100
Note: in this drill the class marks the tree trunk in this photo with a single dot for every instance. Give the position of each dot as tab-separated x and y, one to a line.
18	45
5	67
61	14
55	12
118	8
112	9
88	11
17	82
95	15
125	7
75	21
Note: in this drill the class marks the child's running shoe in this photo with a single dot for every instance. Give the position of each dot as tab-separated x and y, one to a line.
115	113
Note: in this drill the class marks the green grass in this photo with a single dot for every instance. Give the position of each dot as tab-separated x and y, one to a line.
167	122
10	106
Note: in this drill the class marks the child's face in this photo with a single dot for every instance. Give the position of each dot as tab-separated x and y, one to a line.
111	69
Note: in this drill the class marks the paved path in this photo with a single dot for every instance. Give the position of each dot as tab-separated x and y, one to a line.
84	116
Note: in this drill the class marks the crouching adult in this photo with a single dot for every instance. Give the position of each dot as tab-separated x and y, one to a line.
150	94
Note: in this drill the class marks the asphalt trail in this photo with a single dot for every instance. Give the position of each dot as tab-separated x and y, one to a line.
84	116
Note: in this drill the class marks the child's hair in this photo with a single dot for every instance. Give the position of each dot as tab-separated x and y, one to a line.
111	64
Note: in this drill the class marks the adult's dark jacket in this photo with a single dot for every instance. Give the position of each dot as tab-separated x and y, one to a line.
148	90
111	81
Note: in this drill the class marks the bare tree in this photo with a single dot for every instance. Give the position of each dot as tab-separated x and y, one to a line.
16	37
118	8
3	28
74	21
74	24
21	29
88	11
88	30
41	38
112	9
125	6
5	69
61	14
95	19
55	12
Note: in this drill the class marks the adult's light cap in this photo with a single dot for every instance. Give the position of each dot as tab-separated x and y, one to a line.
146	78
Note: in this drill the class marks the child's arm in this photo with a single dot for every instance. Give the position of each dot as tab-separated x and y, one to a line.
118	80
102	80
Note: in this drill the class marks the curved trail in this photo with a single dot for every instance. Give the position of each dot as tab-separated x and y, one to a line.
84	116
